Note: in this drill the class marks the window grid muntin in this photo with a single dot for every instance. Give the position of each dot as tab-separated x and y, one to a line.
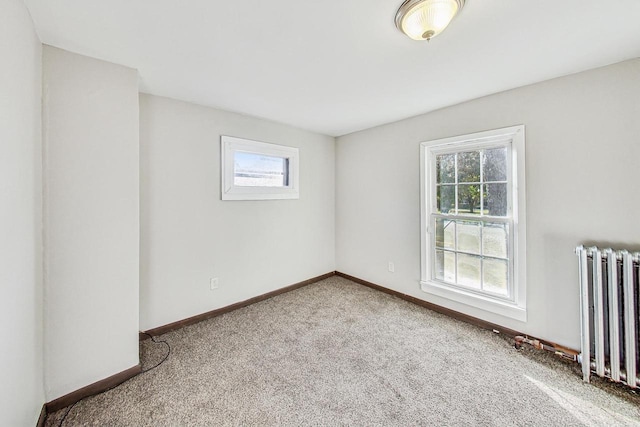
455	193
481	195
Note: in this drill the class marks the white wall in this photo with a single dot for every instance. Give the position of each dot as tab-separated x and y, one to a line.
189	235
21	389
91	171
582	155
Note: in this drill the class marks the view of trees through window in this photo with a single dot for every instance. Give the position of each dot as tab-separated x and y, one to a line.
473	182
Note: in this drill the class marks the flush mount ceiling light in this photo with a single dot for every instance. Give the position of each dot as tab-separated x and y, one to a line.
425	19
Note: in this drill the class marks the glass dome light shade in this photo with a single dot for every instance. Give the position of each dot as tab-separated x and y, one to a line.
425	19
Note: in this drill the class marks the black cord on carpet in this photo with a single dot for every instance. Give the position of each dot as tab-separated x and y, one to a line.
165	357
67	413
141	372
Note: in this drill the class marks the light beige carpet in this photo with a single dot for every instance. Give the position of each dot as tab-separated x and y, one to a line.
337	353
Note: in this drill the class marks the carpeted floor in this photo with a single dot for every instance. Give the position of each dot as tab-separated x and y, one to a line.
337	353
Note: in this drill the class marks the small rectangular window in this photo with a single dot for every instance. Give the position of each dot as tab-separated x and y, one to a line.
259	170
253	170
473	220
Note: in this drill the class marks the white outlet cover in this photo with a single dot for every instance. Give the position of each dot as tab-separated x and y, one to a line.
214	283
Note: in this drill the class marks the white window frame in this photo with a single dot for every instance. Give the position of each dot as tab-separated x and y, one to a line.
514	137
230	145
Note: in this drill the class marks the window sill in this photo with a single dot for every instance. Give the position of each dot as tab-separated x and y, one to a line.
503	308
255	194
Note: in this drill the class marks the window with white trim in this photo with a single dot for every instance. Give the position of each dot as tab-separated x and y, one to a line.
473	222
253	170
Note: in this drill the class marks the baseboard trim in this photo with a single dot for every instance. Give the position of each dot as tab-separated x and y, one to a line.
92	389
43	416
446	311
160	330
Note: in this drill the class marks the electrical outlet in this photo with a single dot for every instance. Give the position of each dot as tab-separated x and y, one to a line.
214	283
392	267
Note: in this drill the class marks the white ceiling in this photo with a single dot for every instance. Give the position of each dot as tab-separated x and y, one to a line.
337	66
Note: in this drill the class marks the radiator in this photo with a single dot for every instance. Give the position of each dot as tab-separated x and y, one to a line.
609	313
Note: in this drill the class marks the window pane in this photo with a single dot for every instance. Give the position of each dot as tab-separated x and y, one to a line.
495	165
469	166
446	168
468	236
495	276
446	195
445	233
495	199
445	266
469	199
469	271
258	170
494	240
